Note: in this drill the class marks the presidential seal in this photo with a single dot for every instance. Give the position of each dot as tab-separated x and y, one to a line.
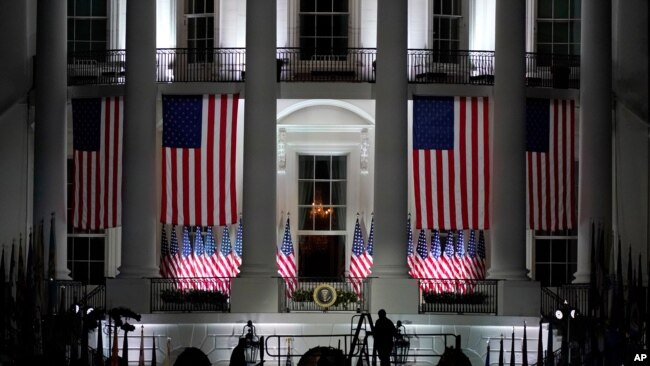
324	295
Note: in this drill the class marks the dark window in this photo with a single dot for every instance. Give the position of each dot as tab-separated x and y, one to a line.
558	27
200	30
555	257
323	29
87	25
446	33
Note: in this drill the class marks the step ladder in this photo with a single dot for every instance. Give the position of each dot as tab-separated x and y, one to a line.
364	353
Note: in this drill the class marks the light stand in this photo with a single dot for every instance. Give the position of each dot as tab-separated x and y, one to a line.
566	313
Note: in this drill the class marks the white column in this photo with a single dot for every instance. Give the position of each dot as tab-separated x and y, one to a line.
51	128
259	201
508	226
595	155
391	110
139	183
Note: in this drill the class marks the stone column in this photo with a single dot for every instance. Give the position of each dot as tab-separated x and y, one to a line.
508	220
391	111
50	133
260	168
139	206
595	155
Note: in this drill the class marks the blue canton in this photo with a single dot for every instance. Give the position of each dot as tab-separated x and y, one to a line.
86	124
449	244
173	244
164	246
239	240
357	242
182	121
187	246
433	123
210	247
225	242
422	245
371	238
471	245
537	124
480	250
409	239
199	249
287	245
436	251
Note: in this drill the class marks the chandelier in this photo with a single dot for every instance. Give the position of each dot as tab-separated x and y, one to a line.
317	210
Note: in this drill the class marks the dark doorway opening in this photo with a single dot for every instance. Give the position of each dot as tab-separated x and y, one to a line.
321	256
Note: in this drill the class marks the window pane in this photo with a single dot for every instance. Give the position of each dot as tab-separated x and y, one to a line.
198	6
305	221
210	29
306	167
560	9
307	50
70	37
322	220
576	9
447	7
544	32
542	251
98	30
575	50
324	5
544	8
542	274
558	274
305	192
80	271
341	6
99	8
70	246
339	167
561	32
96	249
200	28
307	5
322	193
191	29
82	8
70	8
453	28
561	49
82	29
339	193
339	25
444	28
437	6
340	46
544	49
338	218
323	25
209	6
81	249
307	25
457	7
322	167
574	30
558	251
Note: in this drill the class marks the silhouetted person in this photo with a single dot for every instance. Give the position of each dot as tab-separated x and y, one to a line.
238	357
384	333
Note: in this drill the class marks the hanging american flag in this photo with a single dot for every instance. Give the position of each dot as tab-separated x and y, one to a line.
165	271
550	144
286	261
422	253
237	251
198	159
97	150
359	267
410	255
480	255
451	162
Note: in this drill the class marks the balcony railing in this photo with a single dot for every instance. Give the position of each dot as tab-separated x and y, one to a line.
198	294
350	65
458	296
451	67
346	296
200	65
425	66
552	71
96	67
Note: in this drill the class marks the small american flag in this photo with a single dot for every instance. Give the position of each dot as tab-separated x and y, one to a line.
187	267
410	255
211	256
480	255
225	264
447	261
370	248
165	271
238	249
459	260
286	261
198	258
198	159
422	259
434	258
97	125
473	271
451	162
550	144
174	258
359	267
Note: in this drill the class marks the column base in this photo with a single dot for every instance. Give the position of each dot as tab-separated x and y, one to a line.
132	293
519	298
254	295
394	271
395	295
508	274
581	277
138	272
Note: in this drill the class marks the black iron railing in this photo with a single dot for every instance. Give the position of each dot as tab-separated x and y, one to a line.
576	295
199	294
458	296
96	67
451	67
350	65
64	294
347	298
95	298
550	301
200	65
552	70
